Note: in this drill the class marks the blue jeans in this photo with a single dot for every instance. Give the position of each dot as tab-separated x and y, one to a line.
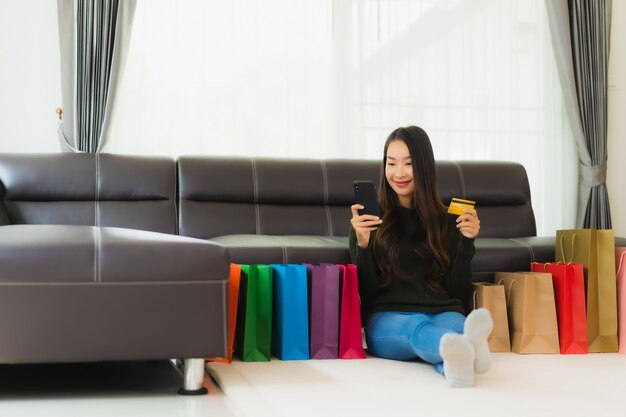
408	336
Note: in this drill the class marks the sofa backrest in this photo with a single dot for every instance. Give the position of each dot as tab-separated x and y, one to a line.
233	195
136	192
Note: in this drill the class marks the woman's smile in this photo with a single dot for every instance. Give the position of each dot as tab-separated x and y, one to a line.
402	184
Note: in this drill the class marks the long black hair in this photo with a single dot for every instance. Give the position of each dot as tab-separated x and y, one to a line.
427	204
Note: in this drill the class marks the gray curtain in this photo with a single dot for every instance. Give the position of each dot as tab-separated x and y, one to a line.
94	37
580	36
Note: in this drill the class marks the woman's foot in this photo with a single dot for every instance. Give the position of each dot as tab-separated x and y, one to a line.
477	328
458	360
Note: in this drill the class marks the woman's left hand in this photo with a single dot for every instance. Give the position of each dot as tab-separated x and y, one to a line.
468	223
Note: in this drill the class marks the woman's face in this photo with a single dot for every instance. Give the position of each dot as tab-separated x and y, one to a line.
399	172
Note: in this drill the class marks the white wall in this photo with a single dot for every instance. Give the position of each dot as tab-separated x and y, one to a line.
30	85
616	180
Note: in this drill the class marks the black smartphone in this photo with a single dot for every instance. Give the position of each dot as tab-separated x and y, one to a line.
365	194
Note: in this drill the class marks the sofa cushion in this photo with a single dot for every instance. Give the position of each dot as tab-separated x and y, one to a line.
279	196
127	255
46	253
265	249
492	254
55	253
137	192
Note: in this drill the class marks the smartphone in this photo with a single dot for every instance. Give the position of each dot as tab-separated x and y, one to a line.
365	194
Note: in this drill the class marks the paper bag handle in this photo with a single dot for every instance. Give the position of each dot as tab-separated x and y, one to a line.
545	265
621	261
563	249
508	293
475	300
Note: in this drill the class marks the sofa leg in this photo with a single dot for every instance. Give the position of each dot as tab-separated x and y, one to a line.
193	377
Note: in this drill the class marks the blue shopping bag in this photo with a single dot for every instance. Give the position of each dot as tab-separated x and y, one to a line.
290	339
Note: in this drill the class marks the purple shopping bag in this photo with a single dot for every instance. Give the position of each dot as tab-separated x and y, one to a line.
323	283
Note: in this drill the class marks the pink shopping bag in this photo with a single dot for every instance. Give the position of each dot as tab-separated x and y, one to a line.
350	338
621	297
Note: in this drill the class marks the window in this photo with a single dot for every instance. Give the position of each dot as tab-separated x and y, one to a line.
313	78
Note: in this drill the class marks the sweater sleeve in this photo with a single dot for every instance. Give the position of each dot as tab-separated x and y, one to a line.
367	272
458	280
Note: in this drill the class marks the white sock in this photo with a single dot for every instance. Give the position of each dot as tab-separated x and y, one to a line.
458	360
477	328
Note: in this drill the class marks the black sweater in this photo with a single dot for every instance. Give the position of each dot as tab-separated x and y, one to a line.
414	295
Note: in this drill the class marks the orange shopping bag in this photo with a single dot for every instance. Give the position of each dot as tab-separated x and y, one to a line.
233	296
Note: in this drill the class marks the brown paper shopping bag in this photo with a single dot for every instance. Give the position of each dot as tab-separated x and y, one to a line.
595	249
532	311
493	298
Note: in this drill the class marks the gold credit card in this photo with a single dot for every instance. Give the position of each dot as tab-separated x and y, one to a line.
458	204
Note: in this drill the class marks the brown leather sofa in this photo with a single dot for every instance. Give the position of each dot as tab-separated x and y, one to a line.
92	269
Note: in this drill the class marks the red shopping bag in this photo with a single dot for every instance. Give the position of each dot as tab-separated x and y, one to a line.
350	338
620	254
233	296
569	293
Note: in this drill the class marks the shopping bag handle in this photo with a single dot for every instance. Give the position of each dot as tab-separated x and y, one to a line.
545	265
508	293
475	300
563	248
621	261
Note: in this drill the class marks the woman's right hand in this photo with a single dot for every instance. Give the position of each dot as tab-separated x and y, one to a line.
363	225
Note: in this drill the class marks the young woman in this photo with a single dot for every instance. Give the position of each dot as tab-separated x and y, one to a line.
414	268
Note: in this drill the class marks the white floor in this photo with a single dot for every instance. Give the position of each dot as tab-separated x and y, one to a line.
517	385
104	389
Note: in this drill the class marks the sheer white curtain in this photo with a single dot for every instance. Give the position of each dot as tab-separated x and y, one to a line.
314	78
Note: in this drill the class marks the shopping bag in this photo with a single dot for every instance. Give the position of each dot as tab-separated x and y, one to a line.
350	337
569	296
621	296
595	250
493	298
323	286
532	313
290	338
233	296
254	320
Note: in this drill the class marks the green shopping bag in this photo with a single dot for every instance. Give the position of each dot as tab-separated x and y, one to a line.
254	316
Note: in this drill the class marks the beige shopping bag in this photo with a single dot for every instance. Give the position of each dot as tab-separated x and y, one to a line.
532	312
595	249
493	298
